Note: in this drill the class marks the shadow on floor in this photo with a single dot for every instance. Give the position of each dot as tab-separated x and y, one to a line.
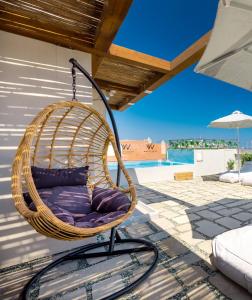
181	273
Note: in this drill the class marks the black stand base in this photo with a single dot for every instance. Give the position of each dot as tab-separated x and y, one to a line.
146	246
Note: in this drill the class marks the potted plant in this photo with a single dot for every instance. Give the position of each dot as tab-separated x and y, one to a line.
230	164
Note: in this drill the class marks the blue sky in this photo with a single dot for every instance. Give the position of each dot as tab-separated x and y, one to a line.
182	107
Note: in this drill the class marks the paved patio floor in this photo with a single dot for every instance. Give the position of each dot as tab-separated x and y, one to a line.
187	215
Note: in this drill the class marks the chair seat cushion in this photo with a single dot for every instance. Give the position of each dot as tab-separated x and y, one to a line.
233	256
107	200
72	205
95	219
47	178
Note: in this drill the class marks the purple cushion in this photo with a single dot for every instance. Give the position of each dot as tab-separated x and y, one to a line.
97	219
74	199
71	204
46	178
107	200
66	203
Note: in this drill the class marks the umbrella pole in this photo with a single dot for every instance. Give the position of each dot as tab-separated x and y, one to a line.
238	153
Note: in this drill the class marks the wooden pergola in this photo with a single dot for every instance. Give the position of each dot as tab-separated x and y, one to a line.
90	26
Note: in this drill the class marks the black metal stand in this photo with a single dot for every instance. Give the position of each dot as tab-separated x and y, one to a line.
81	254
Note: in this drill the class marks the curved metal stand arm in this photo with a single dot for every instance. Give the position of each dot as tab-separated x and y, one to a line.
75	63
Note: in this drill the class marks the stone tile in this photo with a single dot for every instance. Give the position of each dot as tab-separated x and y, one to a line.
79	294
184	261
208	214
191	275
206	246
95	260
145	257
181	219
243	216
228	222
229	211
237	202
107	287
216	208
60	270
229	288
168	213
208	228
180	208
159	285
171	203
163	223
158	206
139	230
77	278
247	206
192	238
158	236
214	204
196	209
201	292
171	231
192	217
172	247
226	201
184	227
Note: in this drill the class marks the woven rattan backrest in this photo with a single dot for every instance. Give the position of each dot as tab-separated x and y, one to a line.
69	134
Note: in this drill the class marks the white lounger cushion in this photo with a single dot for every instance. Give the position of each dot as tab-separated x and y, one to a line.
232	255
247	180
230	177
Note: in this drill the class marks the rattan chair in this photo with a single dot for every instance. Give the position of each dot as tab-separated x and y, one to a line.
65	135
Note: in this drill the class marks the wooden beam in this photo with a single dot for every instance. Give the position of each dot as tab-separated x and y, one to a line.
113	15
136	58
96	60
114	107
190	56
108	85
149	87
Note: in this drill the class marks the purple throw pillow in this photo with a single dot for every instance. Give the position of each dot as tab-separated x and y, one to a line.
47	178
107	200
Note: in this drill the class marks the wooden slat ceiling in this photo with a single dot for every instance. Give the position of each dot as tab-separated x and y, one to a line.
133	75
90	26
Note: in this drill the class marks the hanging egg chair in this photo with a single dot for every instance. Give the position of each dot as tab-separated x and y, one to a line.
62	186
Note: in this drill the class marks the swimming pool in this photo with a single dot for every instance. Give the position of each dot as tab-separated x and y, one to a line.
144	164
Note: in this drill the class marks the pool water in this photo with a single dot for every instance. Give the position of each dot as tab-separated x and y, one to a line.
185	156
144	164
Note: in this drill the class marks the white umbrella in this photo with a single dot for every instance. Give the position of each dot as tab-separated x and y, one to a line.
235	120
228	56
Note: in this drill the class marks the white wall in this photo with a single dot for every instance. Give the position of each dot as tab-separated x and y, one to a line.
32	75
206	162
212	161
153	174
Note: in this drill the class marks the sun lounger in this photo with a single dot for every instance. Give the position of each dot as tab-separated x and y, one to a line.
232	255
232	176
